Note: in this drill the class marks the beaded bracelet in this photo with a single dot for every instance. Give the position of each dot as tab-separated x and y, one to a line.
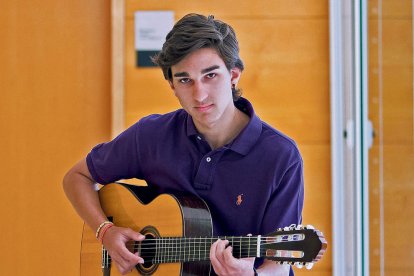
100	228
103	231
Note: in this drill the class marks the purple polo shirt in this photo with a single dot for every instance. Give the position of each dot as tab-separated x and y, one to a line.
252	185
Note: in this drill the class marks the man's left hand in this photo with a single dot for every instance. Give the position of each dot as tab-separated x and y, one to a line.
224	263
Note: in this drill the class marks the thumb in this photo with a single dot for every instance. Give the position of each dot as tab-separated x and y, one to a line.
134	235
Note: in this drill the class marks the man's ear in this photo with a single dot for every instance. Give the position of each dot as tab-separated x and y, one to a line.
171	84
235	75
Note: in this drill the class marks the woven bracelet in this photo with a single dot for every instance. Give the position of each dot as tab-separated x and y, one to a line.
103	231
100	228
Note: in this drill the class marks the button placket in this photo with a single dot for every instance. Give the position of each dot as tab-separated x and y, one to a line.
204	177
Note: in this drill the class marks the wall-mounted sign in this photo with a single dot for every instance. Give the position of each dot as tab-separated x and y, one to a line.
151	28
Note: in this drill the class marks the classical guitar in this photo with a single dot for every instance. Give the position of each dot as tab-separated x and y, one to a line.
178	232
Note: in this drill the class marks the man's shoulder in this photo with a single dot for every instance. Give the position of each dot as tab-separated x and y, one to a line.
277	141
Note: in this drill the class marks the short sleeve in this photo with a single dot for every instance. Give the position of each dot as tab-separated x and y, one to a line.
117	159
286	203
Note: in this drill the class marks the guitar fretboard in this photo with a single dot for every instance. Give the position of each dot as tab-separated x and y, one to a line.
177	249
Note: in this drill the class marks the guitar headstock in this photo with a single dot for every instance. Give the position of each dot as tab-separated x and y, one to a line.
295	245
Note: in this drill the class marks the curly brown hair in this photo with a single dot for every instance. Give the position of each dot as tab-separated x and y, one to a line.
194	32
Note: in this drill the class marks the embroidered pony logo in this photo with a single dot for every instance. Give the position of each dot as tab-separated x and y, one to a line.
239	200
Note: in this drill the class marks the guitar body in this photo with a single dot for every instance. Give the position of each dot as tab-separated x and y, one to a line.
154	216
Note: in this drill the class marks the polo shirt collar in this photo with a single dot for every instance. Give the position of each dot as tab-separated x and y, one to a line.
191	129
251	133
247	137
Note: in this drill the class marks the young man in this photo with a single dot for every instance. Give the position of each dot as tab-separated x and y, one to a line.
215	147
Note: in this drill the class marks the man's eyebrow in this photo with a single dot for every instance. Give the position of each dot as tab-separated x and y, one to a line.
208	69
211	68
181	74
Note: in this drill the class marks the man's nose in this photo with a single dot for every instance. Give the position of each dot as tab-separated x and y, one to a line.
199	92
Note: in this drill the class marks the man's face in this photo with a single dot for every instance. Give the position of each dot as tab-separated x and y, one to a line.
202	83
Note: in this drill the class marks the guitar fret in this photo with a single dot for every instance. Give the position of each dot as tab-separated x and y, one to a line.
248	251
199	250
184	249
205	249
172	247
180	250
240	248
175	250
167	247
161	250
187	246
168	250
193	249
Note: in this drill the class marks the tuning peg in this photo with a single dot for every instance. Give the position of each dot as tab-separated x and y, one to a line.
299	265
300	227
309	265
310	226
286	228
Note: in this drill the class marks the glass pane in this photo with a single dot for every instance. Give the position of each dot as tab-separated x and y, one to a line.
391	159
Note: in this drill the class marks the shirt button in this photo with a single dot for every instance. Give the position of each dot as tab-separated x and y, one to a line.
208	159
198	137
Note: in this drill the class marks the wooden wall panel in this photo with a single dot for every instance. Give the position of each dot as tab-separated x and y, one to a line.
55	89
285	64
390	72
285	47
261	9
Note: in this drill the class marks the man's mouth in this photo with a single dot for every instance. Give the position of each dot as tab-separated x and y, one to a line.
204	107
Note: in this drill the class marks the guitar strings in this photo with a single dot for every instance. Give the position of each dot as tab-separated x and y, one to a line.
172	254
201	240
172	249
169	249
165	257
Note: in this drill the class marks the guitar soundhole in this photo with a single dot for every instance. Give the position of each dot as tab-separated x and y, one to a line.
148	267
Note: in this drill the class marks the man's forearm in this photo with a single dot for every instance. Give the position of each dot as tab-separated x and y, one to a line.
79	189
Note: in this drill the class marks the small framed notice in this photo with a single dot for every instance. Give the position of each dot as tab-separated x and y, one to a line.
151	28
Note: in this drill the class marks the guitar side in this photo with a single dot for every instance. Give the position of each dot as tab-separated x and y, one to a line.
139	209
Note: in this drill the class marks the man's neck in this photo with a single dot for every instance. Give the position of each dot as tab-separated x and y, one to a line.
225	131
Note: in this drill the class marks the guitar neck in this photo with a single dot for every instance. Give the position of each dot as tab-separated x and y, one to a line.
181	249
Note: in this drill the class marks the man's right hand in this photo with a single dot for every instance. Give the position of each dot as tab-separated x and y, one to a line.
115	241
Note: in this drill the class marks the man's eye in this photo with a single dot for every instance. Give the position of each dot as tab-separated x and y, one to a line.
184	80
211	75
